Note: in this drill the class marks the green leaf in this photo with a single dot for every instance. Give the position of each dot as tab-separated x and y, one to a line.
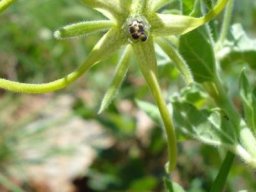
196	49
203	125
241	50
172	186
247	94
194	94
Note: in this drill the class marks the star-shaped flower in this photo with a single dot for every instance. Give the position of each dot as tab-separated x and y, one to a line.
134	26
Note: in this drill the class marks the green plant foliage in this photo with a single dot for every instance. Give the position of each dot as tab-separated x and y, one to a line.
196	48
241	50
203	125
248	97
174	49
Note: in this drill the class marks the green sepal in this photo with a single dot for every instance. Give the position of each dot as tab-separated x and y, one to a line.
82	28
168	24
110	8
119	76
179	62
105	47
125	5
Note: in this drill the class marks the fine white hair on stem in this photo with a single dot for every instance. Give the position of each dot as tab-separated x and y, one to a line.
82	28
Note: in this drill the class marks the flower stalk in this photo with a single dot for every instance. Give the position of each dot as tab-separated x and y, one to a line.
146	58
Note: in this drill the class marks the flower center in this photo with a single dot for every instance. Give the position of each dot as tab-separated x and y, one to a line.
137	31
137	28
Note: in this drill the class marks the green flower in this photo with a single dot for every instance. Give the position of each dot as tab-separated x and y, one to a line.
134	26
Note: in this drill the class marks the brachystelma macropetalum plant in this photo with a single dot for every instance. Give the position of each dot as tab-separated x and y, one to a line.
134	26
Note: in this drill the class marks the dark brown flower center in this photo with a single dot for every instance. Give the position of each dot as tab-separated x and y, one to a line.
137	30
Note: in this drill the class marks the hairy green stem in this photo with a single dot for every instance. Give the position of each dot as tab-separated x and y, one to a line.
220	180
45	87
82	28
215	11
219	94
226	22
147	61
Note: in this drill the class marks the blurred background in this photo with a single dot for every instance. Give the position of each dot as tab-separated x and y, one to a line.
57	142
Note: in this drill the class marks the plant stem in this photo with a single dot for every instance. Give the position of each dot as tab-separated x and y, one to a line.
214	11
220	180
227	21
226	103
226	24
147	61
218	93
